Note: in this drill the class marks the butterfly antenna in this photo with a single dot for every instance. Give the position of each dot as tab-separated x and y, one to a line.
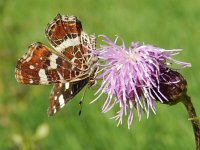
81	101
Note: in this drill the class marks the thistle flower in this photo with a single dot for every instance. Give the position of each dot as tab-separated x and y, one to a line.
131	76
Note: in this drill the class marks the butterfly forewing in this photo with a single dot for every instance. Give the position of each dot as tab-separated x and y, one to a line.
64	34
62	29
41	66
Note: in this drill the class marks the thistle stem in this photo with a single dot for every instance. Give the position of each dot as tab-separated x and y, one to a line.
194	120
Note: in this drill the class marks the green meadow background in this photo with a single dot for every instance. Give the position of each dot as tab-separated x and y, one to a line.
23	109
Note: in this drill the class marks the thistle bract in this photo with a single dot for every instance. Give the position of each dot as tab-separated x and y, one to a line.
131	75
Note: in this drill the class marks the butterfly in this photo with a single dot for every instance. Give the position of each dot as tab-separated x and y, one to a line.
69	65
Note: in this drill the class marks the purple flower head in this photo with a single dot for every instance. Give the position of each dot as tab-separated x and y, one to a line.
131	75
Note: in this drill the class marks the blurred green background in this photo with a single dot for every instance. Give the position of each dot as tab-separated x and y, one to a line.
23	109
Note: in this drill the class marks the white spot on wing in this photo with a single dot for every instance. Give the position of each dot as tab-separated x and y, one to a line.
52	59
61	100
31	67
61	106
43	76
54	109
67	85
30	81
67	43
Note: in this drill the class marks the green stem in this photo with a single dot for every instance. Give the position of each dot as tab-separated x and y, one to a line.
194	120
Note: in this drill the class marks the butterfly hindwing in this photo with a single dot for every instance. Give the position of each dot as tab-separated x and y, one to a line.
62	93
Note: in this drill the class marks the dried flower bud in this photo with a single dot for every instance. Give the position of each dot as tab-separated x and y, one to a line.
172	85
